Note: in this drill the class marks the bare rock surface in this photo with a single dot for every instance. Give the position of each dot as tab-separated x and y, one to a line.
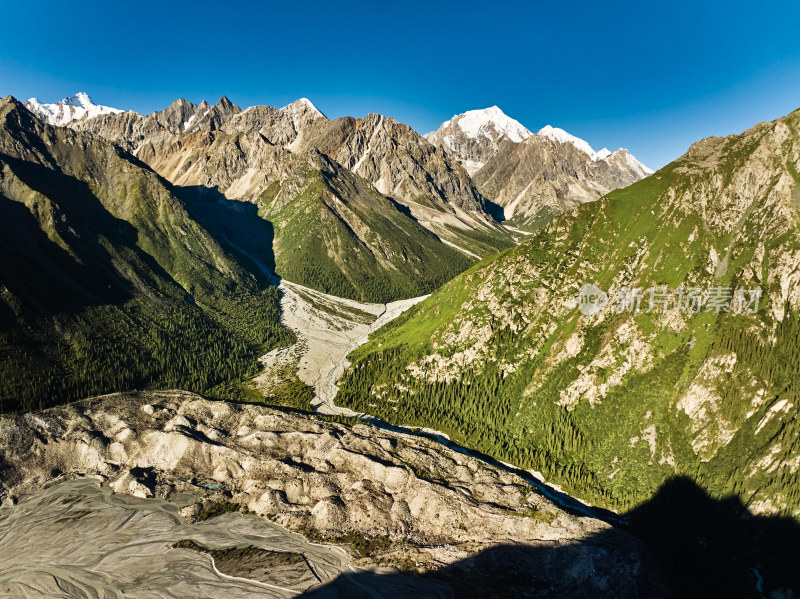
427	505
76	539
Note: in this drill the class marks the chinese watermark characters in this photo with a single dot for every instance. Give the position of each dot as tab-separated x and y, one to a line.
691	300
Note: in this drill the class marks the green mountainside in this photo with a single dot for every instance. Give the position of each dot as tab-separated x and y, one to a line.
328	228
612	404
335	233
366	209
107	283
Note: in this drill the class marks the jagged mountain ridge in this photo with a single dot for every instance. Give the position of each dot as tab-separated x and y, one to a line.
332	230
563	137
242	154
404	166
130	130
611	405
387	154
539	178
532	176
73	108
107	280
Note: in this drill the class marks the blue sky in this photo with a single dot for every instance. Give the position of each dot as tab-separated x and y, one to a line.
652	77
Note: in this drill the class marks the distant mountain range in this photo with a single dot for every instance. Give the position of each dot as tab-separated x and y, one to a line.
532	176
73	108
206	203
527	177
388	217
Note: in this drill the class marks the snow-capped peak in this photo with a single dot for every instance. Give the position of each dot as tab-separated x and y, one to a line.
489	122
305	105
79	100
603	154
563	137
69	109
620	155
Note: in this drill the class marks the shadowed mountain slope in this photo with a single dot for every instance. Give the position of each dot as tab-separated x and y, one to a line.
107	282
337	232
700	547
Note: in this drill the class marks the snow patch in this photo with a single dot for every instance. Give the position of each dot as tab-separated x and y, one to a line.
603	154
491	123
563	137
305	105
73	108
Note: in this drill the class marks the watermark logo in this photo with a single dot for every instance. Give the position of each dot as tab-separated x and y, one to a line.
592	300
691	300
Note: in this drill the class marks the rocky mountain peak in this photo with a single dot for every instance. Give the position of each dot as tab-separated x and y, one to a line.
71	108
12	110
9	102
562	136
303	106
625	159
180	104
225	104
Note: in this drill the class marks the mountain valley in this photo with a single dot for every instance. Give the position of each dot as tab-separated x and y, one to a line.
503	359
299	356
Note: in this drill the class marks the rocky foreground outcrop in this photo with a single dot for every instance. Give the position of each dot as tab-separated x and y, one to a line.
429	506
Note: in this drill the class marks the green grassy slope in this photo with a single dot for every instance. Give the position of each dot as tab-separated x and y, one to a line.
610	406
337	234
107	284
303	215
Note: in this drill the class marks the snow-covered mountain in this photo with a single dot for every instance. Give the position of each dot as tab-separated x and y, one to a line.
73	108
473	137
491	123
563	137
532	176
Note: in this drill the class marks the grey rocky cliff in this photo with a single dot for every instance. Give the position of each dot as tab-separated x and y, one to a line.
130	130
402	165
435	505
239	152
532	176
538	178
398	161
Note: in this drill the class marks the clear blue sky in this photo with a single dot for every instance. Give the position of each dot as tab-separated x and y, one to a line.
649	76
